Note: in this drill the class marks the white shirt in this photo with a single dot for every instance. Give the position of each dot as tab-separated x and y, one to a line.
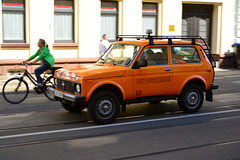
103	46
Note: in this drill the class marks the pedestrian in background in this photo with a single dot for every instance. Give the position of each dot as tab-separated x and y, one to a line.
104	44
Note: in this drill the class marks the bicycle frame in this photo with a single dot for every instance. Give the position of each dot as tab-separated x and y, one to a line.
30	77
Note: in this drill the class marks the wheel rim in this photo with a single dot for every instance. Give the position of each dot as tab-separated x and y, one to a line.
49	87
105	108
192	99
49	92
15	91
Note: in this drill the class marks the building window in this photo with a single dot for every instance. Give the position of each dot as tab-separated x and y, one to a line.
149	17
13	21
109	14
63	21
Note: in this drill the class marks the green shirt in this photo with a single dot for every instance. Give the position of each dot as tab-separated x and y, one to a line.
45	54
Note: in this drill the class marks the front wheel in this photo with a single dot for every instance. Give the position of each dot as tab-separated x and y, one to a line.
104	107
15	90
49	88
191	98
155	102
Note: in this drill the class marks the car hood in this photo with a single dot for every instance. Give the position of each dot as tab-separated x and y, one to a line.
90	71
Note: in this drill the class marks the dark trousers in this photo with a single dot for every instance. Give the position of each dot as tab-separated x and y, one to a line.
38	71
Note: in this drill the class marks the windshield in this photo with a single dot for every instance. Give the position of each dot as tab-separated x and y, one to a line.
120	54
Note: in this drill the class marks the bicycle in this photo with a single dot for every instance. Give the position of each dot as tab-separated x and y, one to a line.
15	90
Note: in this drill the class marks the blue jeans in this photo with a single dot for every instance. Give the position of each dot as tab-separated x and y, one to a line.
38	71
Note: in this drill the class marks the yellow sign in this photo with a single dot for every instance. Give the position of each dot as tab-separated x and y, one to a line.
171	28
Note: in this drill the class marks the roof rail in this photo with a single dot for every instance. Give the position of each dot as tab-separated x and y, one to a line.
170	38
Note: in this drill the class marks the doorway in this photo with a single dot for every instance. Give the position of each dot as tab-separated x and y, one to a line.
197	21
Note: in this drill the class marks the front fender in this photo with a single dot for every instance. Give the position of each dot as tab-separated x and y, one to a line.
99	84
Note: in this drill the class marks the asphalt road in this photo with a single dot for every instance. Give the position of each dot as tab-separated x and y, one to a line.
40	129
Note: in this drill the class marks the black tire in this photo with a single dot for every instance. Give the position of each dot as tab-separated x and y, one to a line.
191	98
73	107
14	94
155	102
104	107
49	88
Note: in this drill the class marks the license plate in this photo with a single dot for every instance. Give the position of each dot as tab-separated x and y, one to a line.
58	94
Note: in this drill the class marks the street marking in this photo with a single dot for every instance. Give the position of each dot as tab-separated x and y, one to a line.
236	82
232	76
117	124
223	98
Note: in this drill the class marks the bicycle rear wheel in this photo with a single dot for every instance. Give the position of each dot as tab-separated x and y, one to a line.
15	90
49	88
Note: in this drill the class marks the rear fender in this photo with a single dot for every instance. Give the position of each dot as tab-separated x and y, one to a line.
194	80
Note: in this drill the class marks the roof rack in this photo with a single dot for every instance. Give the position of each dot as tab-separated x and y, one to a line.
193	39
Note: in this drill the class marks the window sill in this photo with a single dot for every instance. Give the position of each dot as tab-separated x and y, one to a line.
65	45
15	45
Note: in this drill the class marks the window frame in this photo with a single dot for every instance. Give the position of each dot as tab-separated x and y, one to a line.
200	59
15	9
150	47
155	15
115	13
65	12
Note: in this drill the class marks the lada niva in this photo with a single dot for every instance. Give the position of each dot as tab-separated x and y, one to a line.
143	69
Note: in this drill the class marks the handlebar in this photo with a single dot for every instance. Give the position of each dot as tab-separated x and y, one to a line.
24	64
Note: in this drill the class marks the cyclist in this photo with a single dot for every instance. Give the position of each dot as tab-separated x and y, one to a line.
47	60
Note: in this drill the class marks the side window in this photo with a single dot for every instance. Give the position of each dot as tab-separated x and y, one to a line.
156	55
185	54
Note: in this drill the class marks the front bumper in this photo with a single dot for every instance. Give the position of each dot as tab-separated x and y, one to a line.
58	95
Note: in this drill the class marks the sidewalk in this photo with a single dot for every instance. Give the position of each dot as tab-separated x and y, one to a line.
226	72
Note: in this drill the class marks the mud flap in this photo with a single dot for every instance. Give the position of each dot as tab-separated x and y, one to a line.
209	95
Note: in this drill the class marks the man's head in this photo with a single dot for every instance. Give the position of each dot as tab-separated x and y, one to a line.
105	36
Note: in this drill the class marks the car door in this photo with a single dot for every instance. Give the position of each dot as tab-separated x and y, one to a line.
156	78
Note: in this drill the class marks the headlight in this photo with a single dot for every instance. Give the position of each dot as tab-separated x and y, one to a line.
78	89
55	81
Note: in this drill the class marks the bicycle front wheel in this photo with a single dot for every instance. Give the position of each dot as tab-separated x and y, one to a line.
49	88
15	90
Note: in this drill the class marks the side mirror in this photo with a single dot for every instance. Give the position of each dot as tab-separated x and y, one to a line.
140	63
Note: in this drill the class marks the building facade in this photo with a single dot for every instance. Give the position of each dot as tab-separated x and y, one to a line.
73	28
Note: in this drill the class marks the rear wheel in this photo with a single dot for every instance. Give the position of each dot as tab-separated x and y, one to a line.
49	88
191	98
104	107
73	107
15	90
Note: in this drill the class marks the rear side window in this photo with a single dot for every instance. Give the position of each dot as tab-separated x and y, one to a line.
185	54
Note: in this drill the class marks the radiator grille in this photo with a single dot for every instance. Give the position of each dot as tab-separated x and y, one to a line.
65	85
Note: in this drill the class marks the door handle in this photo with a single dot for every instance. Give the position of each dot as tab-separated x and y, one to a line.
167	69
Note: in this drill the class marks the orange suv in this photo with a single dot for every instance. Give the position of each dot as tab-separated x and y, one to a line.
143	69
